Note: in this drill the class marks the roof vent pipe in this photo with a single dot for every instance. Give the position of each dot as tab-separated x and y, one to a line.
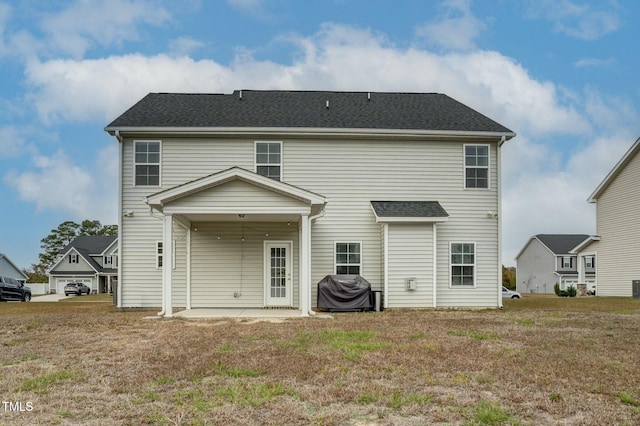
327	103
368	96
240	96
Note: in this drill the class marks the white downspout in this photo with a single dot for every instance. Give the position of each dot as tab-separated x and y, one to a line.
499	163
120	217
312	219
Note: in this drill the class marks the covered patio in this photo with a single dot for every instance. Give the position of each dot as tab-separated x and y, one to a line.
236	239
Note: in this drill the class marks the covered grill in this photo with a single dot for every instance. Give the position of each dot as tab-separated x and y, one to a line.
344	293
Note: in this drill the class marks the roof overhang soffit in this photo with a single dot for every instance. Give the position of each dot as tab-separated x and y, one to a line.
161	199
311	132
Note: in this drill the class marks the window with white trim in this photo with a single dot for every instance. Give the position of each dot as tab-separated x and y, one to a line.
74	258
476	166
589	262
348	258
567	262
147	163
463	264
159	254
269	159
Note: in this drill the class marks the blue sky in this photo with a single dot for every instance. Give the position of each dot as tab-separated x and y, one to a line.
561	73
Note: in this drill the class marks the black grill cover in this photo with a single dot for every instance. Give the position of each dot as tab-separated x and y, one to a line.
344	292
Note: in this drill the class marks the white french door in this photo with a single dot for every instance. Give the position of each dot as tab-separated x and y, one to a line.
277	273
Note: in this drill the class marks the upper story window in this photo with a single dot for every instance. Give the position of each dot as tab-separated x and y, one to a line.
73	258
348	259
567	262
109	261
589	262
476	166
269	159
147	163
463	264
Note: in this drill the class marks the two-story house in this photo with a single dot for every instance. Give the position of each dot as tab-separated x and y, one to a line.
91	260
9	269
249	199
547	259
617	243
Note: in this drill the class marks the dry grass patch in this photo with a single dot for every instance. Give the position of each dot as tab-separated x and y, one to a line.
541	360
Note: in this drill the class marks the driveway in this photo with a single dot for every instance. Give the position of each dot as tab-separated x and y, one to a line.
49	298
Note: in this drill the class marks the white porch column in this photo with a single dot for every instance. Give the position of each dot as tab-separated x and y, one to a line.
305	262
385	264
167	261
580	265
434	255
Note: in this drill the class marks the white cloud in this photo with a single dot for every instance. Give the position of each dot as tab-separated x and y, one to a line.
337	57
59	184
107	23
595	63
456	29
183	46
581	21
543	191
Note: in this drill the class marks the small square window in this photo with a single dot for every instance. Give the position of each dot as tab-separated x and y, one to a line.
348	258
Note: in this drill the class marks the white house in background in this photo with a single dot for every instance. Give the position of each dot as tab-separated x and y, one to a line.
9	269
617	244
92	260
547	259
249	199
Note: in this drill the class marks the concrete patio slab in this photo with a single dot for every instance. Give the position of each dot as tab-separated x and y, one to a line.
243	313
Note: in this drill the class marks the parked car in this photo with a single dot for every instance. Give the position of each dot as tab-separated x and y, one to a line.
12	289
510	294
76	288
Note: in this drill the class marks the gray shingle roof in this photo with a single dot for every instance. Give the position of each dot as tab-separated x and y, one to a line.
408	209
305	109
561	243
92	244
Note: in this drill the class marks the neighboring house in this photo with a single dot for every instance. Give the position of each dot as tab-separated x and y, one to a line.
249	199
92	260
547	259
617	244
9	269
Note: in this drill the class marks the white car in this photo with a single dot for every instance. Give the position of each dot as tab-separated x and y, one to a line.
510	294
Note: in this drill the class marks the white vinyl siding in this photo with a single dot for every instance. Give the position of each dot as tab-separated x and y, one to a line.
618	251
236	194
368	170
410	254
223	264
535	271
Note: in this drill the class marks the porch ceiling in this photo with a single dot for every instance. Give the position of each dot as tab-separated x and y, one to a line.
199	217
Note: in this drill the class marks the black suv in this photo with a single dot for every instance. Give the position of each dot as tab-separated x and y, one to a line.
76	288
12	289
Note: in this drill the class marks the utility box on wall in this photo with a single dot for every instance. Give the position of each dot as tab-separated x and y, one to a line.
410	283
635	285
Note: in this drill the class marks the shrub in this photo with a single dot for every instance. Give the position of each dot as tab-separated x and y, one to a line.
556	289
571	291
